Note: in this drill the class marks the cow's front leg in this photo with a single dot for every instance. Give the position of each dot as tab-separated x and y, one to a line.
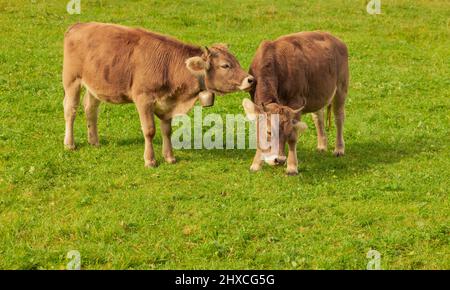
166	132
257	161
146	115
292	162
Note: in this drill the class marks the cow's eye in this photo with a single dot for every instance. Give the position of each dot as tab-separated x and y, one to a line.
225	66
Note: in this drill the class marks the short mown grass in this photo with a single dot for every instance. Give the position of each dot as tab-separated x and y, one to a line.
389	193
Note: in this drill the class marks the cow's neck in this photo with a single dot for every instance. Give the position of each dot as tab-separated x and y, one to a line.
201	83
183	103
266	92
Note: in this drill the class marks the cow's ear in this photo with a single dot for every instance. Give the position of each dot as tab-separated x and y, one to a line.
197	65
206	52
297	112
251	109
300	126
221	46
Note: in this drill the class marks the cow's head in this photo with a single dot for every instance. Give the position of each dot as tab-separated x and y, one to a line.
221	70
288	129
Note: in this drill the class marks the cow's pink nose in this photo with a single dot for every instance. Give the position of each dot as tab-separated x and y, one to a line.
280	160
247	83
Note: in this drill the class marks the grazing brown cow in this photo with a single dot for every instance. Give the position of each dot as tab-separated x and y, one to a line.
296	74
160	74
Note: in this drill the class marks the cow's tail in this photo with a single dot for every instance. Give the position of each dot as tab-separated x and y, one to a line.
329	116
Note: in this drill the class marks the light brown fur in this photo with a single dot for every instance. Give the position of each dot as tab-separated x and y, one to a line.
158	73
296	74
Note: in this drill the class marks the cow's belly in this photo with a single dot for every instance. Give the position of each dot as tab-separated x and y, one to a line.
108	94
169	107
114	99
315	103
315	100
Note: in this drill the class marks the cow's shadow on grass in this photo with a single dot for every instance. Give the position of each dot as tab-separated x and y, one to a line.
359	157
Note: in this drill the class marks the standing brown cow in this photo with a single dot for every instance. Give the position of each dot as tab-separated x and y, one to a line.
296	74
160	74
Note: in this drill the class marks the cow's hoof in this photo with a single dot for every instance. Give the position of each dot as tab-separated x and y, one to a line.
171	160
321	149
94	144
338	152
255	168
292	171
69	147
150	163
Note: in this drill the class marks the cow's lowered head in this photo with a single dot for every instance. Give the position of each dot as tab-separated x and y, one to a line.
288	129
221	70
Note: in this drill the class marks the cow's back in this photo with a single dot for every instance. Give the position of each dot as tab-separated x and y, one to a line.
101	55
116	62
304	65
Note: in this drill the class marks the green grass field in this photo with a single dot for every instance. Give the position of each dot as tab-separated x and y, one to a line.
389	193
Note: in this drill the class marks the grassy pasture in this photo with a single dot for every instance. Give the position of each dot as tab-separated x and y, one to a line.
389	193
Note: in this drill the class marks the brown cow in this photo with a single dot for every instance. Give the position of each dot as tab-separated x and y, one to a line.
296	74
160	74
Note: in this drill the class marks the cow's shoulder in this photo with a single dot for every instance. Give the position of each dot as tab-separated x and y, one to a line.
263	56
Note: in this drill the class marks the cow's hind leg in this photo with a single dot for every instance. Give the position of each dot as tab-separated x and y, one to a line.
91	105
318	118
166	132
146	115
71	102
339	118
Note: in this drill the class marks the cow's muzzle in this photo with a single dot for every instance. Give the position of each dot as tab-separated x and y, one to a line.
275	160
247	83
